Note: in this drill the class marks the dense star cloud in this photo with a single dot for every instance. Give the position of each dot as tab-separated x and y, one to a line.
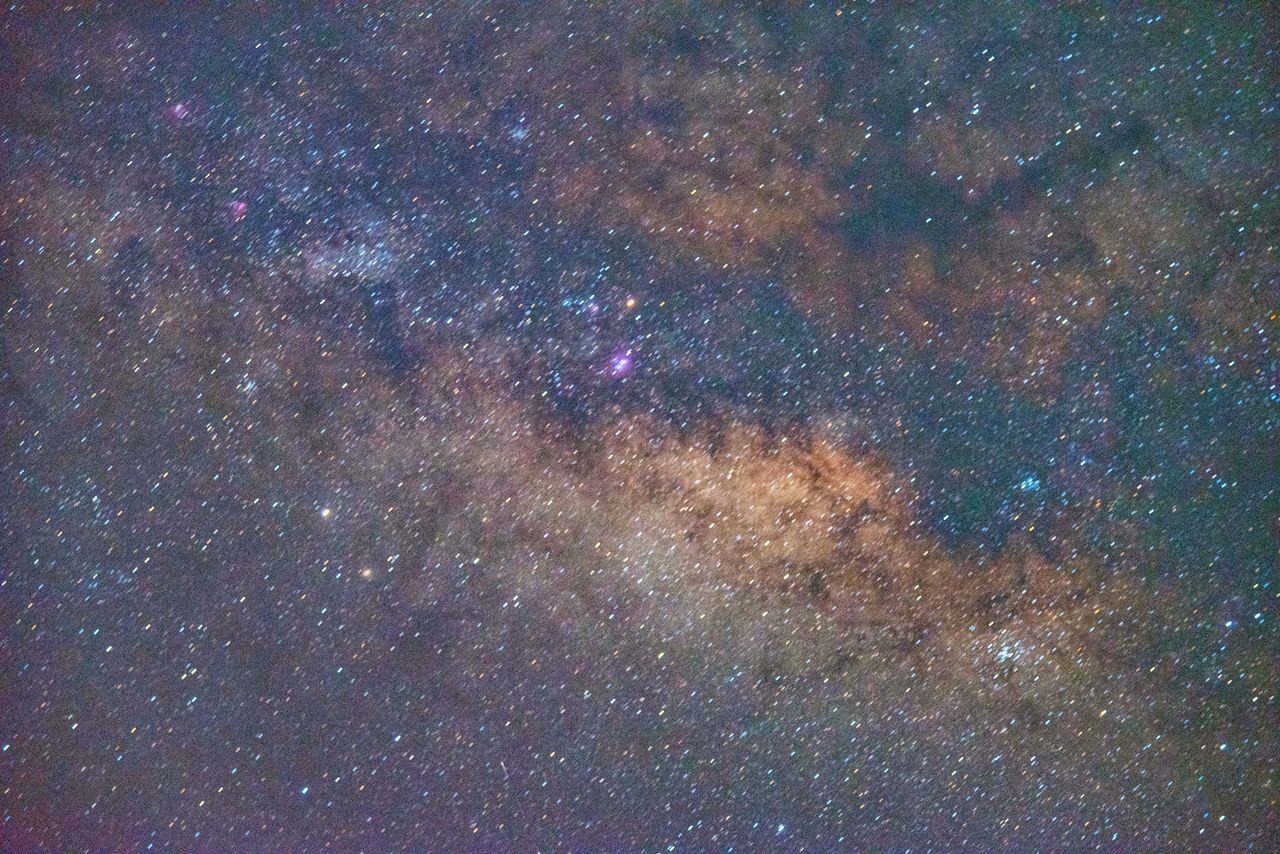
672	426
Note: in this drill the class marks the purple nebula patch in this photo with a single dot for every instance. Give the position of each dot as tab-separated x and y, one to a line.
621	364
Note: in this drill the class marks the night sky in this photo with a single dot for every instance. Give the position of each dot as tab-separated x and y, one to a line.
639	426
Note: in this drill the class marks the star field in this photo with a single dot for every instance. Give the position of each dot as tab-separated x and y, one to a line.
662	426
